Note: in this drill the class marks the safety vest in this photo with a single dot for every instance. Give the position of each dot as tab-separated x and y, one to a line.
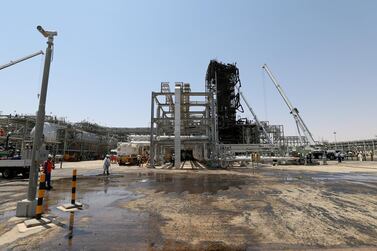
47	166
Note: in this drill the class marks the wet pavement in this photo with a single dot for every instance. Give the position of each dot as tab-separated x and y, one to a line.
104	223
242	210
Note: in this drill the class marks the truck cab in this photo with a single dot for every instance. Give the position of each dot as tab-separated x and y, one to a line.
14	162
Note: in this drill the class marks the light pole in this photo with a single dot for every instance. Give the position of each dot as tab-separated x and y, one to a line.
26	208
335	141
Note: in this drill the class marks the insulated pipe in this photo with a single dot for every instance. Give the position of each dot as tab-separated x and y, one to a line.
177	125
242	158
162	138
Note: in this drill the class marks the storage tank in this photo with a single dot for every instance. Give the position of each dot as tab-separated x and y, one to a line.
50	132
86	137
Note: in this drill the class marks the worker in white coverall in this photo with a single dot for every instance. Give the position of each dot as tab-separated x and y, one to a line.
360	156
106	165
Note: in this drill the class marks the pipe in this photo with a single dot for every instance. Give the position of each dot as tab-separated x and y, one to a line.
163	138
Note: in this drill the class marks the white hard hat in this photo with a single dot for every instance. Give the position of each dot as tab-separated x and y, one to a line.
49	156
107	156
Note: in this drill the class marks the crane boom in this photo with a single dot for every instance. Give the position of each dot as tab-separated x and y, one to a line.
20	60
294	111
256	119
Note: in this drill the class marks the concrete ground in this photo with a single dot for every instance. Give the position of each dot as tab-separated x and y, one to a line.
270	208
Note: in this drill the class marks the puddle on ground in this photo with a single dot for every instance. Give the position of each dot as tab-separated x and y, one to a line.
191	183
103	222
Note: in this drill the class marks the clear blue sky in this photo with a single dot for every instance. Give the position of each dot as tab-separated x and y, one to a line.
110	55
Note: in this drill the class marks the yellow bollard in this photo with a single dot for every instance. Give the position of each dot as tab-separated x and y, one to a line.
73	204
73	198
41	193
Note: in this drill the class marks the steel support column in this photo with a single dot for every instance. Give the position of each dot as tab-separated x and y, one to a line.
152	150
177	126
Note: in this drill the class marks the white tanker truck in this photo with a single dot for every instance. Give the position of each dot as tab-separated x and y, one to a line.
129	151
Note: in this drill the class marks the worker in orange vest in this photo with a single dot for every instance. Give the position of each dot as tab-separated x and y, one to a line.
48	165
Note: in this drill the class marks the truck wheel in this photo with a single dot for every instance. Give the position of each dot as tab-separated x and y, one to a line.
8	174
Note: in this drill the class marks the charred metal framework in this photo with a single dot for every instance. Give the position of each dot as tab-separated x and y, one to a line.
224	81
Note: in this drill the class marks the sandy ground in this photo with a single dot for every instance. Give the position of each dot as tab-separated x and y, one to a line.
265	208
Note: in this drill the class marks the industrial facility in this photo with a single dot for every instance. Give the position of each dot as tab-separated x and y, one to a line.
207	129
203	126
70	141
146	126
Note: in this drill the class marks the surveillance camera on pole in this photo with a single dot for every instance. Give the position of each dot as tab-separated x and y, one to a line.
46	33
26	208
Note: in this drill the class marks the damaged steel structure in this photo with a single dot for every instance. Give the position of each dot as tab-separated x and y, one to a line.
188	125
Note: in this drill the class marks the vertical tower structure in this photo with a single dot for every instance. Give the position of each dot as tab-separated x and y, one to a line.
224	82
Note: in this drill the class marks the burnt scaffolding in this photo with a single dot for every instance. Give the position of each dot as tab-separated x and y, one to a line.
235	136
